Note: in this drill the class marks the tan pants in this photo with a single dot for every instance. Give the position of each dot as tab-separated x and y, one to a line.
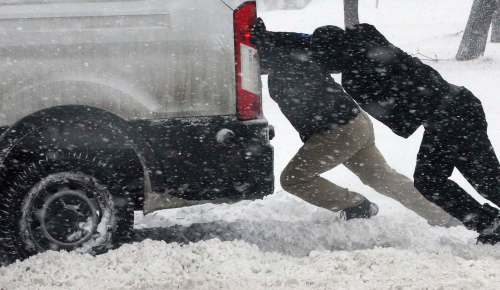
353	145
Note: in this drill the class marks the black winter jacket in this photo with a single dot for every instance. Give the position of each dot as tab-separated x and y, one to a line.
307	95
393	87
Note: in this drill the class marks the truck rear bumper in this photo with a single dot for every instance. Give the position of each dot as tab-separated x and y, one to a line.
210	158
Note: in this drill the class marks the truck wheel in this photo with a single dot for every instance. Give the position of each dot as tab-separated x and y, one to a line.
65	201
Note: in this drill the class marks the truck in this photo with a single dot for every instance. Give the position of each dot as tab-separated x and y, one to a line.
113	106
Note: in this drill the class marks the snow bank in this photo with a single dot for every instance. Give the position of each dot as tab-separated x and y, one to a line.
285	224
277	243
237	265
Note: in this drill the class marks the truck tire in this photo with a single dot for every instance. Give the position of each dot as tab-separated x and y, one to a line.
65	200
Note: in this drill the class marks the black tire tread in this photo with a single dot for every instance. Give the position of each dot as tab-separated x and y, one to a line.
100	167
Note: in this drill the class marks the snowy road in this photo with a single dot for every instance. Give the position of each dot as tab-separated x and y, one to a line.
283	243
258	246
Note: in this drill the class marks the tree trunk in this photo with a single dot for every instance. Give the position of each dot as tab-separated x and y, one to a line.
351	16
476	32
495	26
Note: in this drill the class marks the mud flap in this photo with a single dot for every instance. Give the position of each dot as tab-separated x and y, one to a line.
155	201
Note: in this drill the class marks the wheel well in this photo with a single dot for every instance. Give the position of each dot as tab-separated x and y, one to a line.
79	128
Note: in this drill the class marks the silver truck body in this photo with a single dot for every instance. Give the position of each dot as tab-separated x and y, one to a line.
111	106
139	59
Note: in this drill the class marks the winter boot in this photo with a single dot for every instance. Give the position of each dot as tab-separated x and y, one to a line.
490	234
364	210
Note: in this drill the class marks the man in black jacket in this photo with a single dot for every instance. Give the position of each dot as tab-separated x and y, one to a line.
403	93
334	131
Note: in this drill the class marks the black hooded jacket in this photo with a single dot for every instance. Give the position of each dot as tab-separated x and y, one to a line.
306	94
393	87
310	99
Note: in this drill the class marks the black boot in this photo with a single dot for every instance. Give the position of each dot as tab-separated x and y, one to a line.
364	210
490	231
490	236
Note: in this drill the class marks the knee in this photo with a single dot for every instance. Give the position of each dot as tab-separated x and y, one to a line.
420	181
379	175
371	179
420	185
299	186
428	185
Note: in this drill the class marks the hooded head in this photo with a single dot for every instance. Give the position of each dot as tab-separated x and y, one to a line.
361	45
329	45
368	47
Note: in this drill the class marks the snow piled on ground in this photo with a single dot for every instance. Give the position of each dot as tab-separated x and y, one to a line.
239	265
281	242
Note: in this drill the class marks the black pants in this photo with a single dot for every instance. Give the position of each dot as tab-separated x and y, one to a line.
456	137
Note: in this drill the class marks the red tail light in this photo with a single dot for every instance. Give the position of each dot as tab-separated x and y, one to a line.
248	87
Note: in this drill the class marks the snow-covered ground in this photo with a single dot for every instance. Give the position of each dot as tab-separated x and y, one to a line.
283	243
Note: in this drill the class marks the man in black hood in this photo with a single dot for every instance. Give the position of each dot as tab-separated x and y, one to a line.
334	131
403	93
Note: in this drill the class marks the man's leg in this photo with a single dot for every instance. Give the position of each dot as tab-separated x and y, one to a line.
478	163
477	160
435	163
372	168
322	152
